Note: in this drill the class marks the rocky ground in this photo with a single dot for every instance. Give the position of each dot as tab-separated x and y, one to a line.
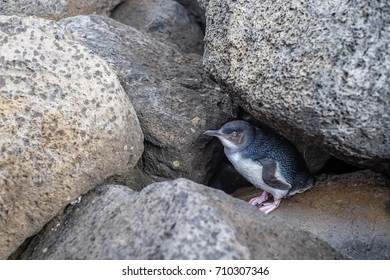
349	211
103	106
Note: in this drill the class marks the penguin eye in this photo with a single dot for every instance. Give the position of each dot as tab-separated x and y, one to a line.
234	133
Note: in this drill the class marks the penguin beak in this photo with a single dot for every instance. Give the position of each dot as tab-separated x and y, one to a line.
215	133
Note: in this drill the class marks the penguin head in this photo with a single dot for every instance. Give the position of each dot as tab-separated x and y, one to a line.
235	135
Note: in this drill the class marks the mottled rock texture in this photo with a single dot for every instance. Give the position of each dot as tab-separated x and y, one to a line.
316	69
350	211
166	20
195	10
56	9
66	124
174	99
171	220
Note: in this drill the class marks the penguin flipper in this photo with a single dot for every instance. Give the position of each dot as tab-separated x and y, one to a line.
272	175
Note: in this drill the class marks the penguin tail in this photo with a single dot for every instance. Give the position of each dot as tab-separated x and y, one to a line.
305	179
303	182
311	181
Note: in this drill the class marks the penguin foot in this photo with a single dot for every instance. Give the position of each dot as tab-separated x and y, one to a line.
260	199
268	207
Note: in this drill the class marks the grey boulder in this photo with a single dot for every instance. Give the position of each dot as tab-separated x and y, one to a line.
166	20
54	9
315	69
66	125
174	99
171	220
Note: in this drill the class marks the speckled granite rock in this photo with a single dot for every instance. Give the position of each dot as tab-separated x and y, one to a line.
166	20
54	9
65	125
174	99
171	220
317	69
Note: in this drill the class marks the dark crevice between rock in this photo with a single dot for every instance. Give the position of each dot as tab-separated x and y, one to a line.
178	22
135	178
335	166
196	11
18	253
116	7
226	178
387	207
29	246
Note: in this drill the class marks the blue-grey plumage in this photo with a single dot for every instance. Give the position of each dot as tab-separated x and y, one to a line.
266	159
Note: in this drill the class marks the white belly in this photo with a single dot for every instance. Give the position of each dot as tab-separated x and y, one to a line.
254	174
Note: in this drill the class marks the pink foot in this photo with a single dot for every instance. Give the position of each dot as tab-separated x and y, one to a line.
260	199
268	207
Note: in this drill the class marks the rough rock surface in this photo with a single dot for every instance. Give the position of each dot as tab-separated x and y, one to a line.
174	100
166	20
54	9
318	69
66	124
350	211
171	220
195	10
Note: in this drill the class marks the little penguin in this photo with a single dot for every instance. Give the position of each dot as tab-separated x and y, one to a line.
266	159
